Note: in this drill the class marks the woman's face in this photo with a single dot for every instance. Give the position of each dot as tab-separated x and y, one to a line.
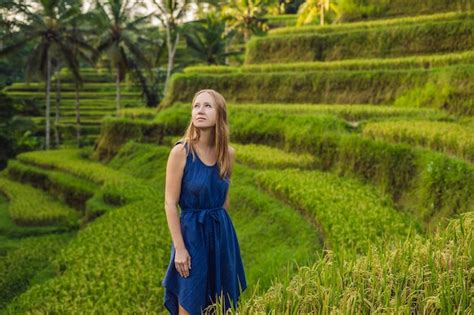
204	111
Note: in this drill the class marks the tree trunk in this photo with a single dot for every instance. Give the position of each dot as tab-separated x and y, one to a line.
117	84
171	52
321	11
226	49
58	101
48	100
78	118
323	6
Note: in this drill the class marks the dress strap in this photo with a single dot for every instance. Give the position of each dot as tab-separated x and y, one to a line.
185	145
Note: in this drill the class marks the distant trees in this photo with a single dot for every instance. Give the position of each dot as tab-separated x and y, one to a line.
311	10
246	17
15	131
207	39
61	35
49	29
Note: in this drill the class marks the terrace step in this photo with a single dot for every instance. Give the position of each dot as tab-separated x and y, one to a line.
449	138
395	63
72	95
32	207
373	24
70	87
337	87
383	41
65	187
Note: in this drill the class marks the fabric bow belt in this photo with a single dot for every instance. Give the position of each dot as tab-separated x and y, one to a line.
209	229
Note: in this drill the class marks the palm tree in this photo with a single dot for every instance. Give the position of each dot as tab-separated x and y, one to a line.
207	40
309	11
81	50
58	101
48	29
119	36
171	13
247	17
151	78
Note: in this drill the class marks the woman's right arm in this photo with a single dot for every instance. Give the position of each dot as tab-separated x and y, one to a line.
174	175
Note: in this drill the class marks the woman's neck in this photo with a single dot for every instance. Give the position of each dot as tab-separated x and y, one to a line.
206	140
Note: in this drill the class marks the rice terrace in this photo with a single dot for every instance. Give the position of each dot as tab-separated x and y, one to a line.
352	123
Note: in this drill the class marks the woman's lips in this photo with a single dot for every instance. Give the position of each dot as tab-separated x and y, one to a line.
201	118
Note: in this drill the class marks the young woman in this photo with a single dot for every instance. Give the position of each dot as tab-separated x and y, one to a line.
205	262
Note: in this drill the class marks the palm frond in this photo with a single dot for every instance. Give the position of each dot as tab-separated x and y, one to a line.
106	43
71	60
138	21
137	53
34	59
17	46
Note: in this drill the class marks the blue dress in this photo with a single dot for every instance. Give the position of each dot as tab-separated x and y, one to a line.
210	238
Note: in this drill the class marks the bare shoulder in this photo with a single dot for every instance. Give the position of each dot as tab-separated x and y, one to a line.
179	148
177	155
174	174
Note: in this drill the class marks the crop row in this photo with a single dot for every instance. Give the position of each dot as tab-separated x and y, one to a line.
31	207
365	25
421	61
386	41
352	215
446	137
449	87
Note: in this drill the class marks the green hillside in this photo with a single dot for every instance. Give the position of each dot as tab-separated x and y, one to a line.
352	192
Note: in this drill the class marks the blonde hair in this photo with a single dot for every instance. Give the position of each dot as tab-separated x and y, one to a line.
221	132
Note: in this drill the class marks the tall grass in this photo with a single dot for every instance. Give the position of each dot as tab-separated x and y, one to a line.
412	276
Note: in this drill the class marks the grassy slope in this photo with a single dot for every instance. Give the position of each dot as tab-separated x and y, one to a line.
109	246
32	207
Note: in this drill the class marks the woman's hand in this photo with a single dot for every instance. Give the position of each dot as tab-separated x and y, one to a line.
182	262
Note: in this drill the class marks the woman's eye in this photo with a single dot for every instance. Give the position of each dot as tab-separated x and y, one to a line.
198	105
